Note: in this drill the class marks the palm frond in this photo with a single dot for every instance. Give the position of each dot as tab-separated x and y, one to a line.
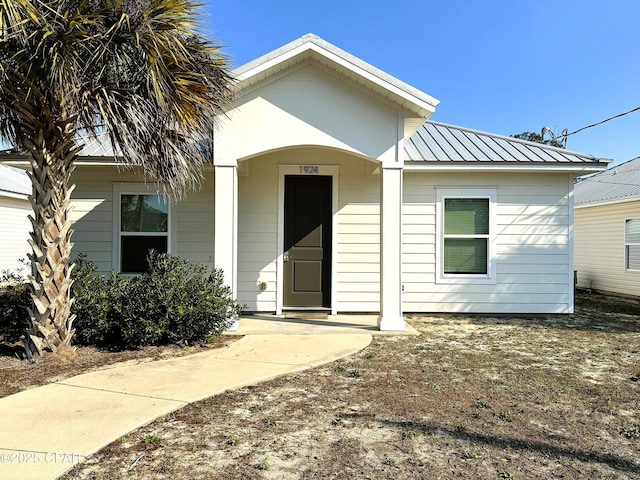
137	67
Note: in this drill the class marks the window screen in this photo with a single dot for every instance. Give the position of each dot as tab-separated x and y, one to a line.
466	235
143	226
632	243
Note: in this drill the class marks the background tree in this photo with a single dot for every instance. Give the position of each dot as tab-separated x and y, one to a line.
538	138
138	70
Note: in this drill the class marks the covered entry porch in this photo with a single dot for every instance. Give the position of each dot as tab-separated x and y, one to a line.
356	241
309	109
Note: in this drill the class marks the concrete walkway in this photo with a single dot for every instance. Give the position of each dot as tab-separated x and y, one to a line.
46	430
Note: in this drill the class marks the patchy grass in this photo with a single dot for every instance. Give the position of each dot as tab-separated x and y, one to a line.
471	397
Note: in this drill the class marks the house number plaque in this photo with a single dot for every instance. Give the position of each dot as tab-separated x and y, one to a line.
309	169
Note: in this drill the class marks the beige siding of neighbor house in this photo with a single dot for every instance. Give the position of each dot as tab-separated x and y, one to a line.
533	253
93	217
14	232
357	236
600	249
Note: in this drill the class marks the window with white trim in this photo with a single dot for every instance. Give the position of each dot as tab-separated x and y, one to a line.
632	243
141	221
465	233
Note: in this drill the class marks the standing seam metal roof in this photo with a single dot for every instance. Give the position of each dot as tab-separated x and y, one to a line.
439	142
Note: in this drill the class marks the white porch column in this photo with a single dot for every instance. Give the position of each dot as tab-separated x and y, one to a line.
391	250
226	226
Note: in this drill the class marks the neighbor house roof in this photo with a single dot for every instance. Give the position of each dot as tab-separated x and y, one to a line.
14	182
96	146
96	150
618	184
438	144
311	46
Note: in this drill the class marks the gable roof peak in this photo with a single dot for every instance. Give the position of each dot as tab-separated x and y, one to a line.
311	46
310	36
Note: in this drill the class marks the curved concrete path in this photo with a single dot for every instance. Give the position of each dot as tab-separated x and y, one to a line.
44	431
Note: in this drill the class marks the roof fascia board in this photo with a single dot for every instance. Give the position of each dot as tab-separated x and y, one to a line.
264	66
19	196
578	168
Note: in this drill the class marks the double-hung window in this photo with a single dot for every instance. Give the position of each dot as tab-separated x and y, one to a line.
141	223
632	243
465	231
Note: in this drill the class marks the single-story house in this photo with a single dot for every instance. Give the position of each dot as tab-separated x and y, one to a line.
329	190
15	208
607	230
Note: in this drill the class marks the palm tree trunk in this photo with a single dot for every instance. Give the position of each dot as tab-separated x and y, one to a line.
52	164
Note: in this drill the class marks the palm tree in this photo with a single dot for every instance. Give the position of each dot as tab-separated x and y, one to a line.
137	70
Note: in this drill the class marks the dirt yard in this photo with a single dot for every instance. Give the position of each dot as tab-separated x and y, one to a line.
475	397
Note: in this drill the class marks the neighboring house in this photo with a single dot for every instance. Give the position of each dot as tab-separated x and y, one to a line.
327	190
607	230
15	188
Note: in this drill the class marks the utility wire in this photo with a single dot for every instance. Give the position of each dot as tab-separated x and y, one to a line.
565	135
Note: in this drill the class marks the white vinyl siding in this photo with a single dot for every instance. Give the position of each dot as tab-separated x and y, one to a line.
194	224
93	217
258	236
14	232
532	226
358	239
600	259
532	251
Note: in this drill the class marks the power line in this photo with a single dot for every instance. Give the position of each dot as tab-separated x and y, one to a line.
603	121
562	138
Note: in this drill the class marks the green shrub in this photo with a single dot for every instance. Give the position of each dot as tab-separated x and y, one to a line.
92	304
174	301
15	299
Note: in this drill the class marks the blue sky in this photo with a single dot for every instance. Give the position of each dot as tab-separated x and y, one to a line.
500	66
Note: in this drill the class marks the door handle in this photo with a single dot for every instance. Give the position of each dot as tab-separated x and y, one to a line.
285	257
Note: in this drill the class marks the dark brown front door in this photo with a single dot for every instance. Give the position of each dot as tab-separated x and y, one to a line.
307	241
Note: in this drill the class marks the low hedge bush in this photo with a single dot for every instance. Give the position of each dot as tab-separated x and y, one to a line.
14	302
174	301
